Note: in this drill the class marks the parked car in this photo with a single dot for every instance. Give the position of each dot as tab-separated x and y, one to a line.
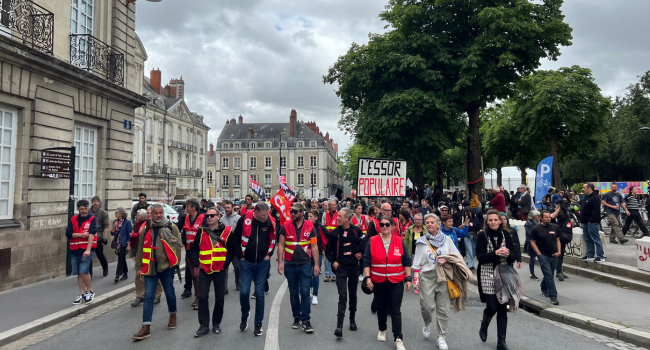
170	212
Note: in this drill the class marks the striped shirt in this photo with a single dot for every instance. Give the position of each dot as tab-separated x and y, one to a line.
632	202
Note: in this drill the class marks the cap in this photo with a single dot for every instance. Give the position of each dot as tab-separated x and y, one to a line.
298	206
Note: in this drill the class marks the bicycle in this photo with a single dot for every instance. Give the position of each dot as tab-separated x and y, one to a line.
635	230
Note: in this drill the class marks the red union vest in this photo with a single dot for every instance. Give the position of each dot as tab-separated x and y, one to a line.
213	256
191	230
246	233
80	242
291	241
402	227
363	225
147	252
323	237
331	222
384	267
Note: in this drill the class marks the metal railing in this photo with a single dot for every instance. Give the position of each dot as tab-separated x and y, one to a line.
149	138
154	169
225	186
200	150
93	55
28	22
160	140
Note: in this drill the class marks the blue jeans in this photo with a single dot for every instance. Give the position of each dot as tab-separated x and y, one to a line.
315	280
328	267
548	265
470	250
150	284
81	265
252	272
299	278
592	237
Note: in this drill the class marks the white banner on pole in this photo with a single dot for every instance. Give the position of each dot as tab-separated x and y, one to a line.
382	177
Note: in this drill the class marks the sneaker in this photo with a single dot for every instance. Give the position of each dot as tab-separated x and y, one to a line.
399	344
442	344
599	260
253	296
243	326
296	323
156	301
216	329
266	287
565	276
554	301
88	297
137	302
333	279
381	336
314	300
258	330
78	300
585	259
416	292
327	278
203	330
625	241
426	331
307	328
360	278
560	277
545	294
91	292
533	277
186	294
613	242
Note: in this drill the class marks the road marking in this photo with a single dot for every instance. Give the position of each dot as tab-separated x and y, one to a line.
272	341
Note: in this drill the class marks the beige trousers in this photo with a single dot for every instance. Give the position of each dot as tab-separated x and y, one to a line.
139	288
434	299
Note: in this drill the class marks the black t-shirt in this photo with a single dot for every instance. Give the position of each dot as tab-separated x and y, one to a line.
300	257
545	238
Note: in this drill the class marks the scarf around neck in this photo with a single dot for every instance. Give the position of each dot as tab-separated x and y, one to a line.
436	241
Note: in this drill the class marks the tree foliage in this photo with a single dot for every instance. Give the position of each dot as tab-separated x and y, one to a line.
349	163
439	59
562	113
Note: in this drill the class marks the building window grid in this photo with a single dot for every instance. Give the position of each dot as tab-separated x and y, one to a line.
225	181
237	180
7	161
160	161
225	145
254	177
301	162
81	16
313	179
236	145
312	144
312	161
267	162
252	145
85	141
253	162
225	163
236	162
268	145
283	162
267	179
301	179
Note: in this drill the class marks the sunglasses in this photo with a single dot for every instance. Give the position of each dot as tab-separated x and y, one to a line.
294	212
211	215
384	225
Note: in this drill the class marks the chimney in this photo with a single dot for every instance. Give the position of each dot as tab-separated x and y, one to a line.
241	119
155	79
250	133
292	123
168	91
178	87
211	149
227	121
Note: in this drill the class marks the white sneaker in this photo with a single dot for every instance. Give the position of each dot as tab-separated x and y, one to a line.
314	300
442	344
360	278
381	336
399	344
426	331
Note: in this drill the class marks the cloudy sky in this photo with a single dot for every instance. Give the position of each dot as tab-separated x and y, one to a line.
261	58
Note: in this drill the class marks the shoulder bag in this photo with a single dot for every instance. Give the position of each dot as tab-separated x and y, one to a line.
452	287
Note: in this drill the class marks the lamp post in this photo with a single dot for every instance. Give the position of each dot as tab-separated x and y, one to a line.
311	181
168	194
202	178
645	130
280	160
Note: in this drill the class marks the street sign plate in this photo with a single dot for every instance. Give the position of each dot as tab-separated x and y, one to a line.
127	124
55	165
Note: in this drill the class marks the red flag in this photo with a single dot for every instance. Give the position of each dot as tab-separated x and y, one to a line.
281	204
256	188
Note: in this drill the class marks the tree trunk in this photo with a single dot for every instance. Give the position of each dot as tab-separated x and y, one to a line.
440	175
557	179
499	176
419	175
473	167
448	181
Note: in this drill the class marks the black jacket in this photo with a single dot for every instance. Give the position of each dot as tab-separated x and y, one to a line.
484	257
337	247
195	247
258	242
590	209
320	228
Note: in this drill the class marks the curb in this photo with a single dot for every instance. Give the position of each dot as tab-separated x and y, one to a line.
613	330
32	327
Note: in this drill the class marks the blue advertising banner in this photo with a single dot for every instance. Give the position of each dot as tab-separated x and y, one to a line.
543	179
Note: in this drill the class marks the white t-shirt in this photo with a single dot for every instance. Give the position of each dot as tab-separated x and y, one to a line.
424	259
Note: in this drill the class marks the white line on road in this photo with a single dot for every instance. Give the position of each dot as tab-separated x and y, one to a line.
272	342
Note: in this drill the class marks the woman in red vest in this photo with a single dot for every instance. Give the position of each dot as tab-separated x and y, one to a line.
386	266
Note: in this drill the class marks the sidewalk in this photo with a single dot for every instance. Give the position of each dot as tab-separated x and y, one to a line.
599	300
28	303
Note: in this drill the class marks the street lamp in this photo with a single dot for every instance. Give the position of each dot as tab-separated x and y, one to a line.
168	194
280	160
312	181
202	178
645	130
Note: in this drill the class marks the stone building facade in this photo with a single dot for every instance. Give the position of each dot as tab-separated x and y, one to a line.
70	80
170	143
301	151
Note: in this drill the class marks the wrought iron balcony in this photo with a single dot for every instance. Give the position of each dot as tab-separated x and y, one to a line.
93	55
160	140
28	22
200	150
154	169
149	138
225	186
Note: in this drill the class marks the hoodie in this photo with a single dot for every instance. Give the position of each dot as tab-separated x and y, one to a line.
455	233
590	209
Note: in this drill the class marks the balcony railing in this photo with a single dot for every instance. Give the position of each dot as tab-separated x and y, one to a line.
28	22
173	171
200	150
225	186
93	55
149	138
154	169
160	140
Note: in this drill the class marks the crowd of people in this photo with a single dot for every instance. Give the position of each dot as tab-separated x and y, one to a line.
390	246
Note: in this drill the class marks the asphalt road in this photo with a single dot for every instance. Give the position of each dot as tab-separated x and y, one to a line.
113	330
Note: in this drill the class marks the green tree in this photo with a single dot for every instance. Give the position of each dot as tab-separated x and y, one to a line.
349	161
442	58
562	112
